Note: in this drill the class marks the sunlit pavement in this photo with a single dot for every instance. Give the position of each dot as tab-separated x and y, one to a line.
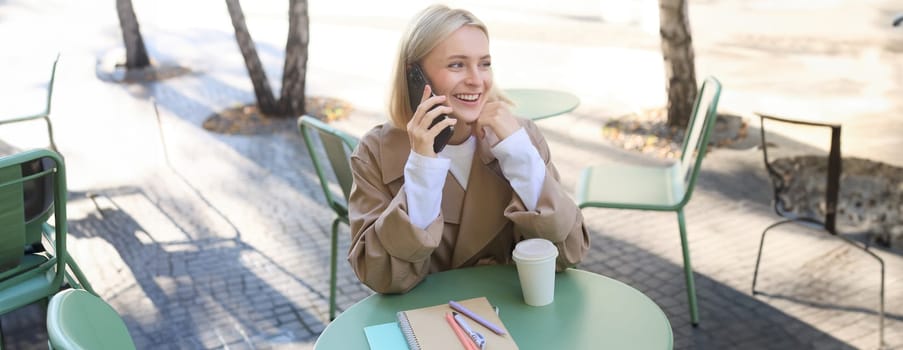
203	240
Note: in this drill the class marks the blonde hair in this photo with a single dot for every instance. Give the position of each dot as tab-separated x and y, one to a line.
425	32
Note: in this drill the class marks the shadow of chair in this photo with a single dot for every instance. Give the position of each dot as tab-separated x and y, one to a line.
623	186
337	146
45	114
788	206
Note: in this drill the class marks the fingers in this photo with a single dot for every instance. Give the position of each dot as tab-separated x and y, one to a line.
428	118
487	119
478	131
420	132
425	108
436	129
429	108
422	138
427	92
498	118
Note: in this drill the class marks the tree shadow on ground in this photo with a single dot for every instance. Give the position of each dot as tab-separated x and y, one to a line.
203	292
283	143
279	157
201	284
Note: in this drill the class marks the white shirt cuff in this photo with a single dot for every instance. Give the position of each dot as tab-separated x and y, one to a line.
522	166
424	179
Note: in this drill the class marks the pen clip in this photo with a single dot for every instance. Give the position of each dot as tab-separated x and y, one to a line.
478	339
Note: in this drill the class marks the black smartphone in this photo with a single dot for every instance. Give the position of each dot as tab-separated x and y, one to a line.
416	82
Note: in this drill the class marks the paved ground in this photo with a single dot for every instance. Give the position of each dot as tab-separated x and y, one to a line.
202	240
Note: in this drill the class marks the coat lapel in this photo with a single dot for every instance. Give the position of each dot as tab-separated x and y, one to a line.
482	213
452	200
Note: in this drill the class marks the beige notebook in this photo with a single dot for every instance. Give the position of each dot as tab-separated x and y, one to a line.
427	329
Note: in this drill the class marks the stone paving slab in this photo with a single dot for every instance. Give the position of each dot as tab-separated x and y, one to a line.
207	241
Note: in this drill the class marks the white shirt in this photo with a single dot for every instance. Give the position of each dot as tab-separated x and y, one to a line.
461	157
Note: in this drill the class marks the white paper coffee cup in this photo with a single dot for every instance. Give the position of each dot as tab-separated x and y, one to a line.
535	259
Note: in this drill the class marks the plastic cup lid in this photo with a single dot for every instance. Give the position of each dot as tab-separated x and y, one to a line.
535	249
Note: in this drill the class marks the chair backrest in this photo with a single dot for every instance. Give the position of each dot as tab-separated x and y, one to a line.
786	178
23	206
38	198
696	138
338	146
50	84
12	213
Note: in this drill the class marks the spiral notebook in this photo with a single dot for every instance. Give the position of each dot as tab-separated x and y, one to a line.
426	328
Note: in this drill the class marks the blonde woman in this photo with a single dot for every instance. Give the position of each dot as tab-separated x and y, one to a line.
414	210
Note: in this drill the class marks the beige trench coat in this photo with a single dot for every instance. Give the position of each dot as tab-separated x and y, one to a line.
479	225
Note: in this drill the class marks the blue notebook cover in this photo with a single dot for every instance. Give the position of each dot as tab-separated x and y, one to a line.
386	336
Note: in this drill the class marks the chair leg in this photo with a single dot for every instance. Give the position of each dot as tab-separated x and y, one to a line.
881	343
332	266
2	338
50	133
759	255
80	281
688	270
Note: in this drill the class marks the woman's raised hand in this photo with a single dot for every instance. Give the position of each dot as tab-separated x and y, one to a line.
497	117
420	134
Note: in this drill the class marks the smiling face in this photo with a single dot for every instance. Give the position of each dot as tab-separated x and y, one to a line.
460	68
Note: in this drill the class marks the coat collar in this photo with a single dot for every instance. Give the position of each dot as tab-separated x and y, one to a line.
393	152
395	147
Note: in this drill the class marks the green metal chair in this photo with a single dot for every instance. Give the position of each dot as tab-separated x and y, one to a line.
45	114
622	186
32	189
29	272
338	146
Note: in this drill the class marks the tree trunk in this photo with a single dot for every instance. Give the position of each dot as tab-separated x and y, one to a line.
677	51
135	51
265	98
295	69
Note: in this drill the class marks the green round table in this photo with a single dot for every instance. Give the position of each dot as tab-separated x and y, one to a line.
541	103
590	311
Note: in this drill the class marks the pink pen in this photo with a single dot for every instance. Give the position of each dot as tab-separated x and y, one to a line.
460	308
477	338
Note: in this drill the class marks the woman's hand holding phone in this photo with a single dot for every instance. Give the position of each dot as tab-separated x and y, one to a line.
421	133
497	117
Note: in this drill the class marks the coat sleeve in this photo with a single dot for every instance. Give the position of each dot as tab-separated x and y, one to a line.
388	253
557	217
